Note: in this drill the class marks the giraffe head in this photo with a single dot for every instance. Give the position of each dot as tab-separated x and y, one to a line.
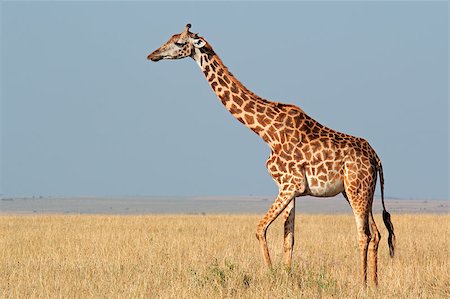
179	46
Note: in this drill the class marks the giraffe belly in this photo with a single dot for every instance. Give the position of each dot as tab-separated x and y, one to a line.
326	188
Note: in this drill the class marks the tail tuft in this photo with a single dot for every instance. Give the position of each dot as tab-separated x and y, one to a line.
390	228
386	216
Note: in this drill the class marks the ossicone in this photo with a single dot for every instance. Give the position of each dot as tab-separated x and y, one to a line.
186	29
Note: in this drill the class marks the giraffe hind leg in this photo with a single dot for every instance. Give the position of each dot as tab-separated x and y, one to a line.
359	184
373	249
363	236
363	230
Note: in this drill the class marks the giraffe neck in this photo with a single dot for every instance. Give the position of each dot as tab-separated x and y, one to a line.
254	112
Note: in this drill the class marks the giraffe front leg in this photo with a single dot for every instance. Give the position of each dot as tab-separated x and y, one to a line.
289	223
299	181
285	196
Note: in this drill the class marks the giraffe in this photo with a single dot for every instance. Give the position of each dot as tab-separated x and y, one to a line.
306	157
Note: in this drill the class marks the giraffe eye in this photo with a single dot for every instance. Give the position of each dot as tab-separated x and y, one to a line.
179	45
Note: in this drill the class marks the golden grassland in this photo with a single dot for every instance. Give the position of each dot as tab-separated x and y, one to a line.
217	256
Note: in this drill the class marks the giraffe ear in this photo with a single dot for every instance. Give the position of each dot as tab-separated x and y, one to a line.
199	42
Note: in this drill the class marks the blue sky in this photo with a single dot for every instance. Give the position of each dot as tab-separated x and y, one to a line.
84	113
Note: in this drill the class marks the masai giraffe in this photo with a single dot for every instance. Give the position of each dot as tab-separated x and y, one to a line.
307	158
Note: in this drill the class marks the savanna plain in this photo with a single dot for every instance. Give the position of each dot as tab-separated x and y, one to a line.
213	256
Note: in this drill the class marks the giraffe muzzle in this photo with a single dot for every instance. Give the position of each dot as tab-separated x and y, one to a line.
154	57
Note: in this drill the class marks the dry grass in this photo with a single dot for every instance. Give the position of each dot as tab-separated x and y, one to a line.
213	256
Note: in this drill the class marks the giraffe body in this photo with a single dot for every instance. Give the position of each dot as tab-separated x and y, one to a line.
306	157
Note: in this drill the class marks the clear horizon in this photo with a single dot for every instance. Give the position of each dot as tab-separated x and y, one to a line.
224	197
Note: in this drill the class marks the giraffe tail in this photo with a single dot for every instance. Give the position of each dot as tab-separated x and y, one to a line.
386	216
